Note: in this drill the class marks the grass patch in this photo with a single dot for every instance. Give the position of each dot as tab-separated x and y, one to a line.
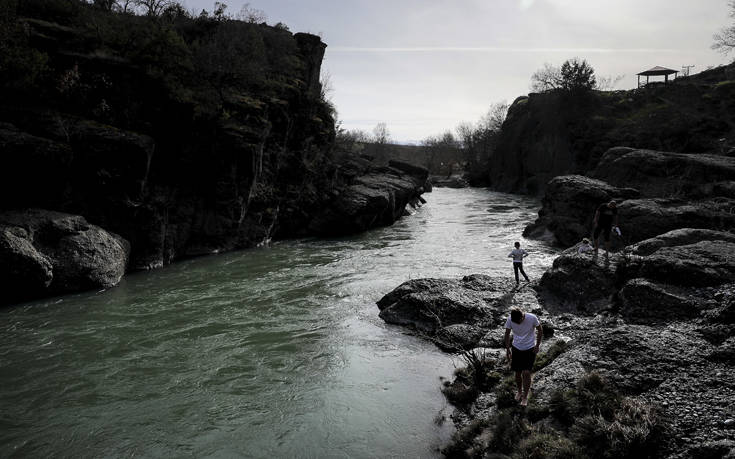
591	420
478	376
463	441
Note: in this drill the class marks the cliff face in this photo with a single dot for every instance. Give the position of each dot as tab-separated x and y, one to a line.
556	133
183	135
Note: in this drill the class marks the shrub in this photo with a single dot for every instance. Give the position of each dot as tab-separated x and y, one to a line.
635	430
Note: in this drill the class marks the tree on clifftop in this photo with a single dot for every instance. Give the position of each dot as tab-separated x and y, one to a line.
725	39
577	75
574	75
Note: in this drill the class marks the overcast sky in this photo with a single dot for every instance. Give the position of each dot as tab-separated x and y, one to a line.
424	66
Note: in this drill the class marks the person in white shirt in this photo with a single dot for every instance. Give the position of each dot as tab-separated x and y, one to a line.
522	349
518	254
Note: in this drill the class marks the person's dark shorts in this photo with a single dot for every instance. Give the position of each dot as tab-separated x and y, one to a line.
605	230
522	360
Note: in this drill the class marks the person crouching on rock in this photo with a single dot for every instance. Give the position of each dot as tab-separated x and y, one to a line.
605	216
518	254
584	246
522	353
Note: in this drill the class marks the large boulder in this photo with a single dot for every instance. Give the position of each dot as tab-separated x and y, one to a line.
454	313
683	236
580	283
642	219
644	301
44	253
569	205
703	263
658	173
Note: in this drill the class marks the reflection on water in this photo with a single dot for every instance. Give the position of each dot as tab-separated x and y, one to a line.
266	352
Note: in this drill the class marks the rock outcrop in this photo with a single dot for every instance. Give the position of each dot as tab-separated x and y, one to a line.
569	205
665	174
455	314
377	197
654	322
45	253
559	133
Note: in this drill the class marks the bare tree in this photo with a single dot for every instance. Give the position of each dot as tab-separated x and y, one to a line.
608	83
546	78
381	135
251	15
725	39
153	7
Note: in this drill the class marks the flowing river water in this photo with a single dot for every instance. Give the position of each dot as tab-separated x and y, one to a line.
270	352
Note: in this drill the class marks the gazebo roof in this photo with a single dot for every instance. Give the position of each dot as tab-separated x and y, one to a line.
658	71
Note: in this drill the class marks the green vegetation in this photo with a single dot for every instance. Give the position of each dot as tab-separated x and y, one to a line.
589	421
123	69
574	75
478	376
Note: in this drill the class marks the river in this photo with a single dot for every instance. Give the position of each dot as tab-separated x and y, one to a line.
269	352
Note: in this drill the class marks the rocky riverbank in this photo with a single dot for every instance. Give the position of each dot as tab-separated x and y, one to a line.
651	325
639	352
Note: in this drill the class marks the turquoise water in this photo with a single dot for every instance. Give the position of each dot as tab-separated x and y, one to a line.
270	352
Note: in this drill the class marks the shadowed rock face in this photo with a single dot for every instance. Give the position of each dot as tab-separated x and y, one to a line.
45	253
223	141
579	282
568	208
570	203
371	197
657	173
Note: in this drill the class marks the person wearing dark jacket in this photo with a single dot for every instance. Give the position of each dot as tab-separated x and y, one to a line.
606	216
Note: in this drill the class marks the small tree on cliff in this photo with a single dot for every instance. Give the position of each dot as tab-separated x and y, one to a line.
725	39
546	78
574	75
577	75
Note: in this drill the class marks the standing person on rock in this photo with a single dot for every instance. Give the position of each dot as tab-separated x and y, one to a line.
606	216
518	254
522	352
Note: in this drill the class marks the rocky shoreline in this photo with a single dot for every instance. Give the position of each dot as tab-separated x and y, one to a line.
646	332
45	252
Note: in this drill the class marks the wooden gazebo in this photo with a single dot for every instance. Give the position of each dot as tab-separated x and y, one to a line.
657	71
